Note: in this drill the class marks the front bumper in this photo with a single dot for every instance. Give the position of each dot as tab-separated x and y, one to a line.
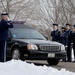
41	55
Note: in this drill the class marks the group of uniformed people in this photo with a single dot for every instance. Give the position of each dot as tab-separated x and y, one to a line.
67	37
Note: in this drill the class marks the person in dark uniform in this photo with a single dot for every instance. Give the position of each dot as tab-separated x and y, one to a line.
5	24
62	36
68	37
55	33
73	40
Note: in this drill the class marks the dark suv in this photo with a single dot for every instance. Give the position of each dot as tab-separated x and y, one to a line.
27	43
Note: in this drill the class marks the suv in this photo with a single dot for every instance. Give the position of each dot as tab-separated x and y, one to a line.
27	43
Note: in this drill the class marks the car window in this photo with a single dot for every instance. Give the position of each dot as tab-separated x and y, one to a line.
26	34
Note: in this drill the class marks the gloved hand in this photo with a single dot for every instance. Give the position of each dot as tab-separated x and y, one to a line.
8	19
66	46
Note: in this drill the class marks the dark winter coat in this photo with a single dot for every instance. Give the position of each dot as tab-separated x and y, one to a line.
63	38
68	37
55	35
73	37
4	26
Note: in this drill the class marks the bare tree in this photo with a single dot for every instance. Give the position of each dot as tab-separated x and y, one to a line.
41	13
19	9
53	11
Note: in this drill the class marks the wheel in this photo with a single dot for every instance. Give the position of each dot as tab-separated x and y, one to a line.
53	61
16	54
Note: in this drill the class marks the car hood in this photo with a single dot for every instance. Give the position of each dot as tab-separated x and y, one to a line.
38	42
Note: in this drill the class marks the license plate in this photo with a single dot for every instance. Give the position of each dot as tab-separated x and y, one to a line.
51	55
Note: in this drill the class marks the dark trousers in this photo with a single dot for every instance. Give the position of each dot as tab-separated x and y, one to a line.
3	51
74	49
68	50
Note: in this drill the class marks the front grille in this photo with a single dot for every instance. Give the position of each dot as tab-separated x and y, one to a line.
49	48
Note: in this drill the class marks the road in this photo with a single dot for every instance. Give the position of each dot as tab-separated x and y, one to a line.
67	65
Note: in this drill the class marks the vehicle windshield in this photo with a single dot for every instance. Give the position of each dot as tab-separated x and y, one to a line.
26	34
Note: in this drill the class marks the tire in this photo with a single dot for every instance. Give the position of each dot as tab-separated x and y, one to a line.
16	54
53	61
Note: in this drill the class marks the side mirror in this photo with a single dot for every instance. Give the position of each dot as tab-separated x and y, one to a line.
9	39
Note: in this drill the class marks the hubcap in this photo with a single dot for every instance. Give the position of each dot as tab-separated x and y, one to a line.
16	54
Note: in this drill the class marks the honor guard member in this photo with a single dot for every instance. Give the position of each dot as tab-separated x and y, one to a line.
68	34
73	40
55	33
5	24
62	36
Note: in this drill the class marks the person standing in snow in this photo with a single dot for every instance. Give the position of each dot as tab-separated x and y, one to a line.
73	40
5	24
62	36
68	38
55	33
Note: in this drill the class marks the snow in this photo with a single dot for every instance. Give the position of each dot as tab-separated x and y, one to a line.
18	67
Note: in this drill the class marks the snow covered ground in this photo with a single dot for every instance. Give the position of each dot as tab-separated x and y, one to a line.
18	67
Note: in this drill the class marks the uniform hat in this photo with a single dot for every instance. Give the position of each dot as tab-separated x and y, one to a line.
4	13
73	26
55	24
63	28
68	24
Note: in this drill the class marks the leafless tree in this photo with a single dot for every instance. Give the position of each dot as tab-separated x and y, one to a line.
41	13
19	9
53	11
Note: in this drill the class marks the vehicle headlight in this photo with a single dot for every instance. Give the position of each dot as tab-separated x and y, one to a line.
62	47
32	47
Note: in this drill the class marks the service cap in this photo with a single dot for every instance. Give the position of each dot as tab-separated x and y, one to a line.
55	24
4	13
